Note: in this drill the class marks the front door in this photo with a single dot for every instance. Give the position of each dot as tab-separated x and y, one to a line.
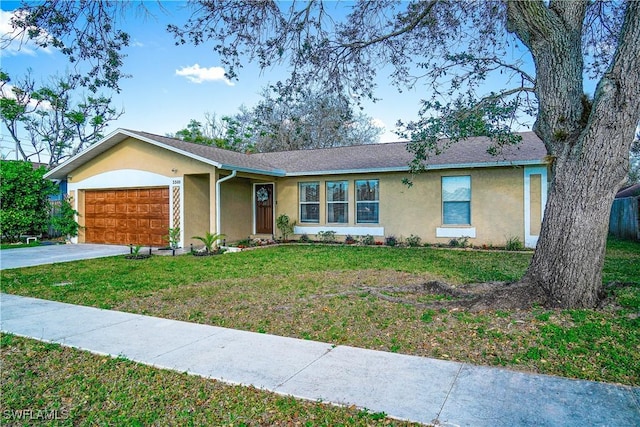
264	208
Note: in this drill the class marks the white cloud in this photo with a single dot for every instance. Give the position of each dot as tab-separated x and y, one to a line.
195	74
13	43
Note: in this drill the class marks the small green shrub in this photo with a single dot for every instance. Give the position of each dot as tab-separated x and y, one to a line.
368	240
413	241
64	220
514	244
349	239
391	240
459	242
285	226
173	237
210	241
326	236
136	254
304	238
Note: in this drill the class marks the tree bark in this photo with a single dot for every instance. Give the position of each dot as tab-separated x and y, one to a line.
588	144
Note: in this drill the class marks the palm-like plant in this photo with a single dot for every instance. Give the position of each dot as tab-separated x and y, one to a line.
210	241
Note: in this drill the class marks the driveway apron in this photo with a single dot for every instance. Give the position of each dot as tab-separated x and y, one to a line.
50	254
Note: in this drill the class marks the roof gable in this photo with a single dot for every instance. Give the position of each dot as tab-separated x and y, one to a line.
471	152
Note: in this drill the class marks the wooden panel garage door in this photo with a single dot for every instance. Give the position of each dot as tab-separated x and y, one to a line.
131	216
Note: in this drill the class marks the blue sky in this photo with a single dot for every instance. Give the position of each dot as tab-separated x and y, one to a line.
172	84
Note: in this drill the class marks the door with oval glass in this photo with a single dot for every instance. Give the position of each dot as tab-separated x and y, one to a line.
263	198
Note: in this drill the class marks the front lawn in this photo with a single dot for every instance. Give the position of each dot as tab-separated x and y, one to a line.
324	293
370	297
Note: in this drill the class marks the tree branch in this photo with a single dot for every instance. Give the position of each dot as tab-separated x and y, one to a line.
413	24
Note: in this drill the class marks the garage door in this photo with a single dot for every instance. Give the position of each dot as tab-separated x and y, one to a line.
131	216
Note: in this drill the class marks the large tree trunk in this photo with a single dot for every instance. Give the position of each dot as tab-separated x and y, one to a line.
588	144
570	254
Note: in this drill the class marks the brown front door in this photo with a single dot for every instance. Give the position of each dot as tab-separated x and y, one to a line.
264	208
138	216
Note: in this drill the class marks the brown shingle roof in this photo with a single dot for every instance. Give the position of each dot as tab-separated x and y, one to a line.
370	157
226	158
466	153
471	152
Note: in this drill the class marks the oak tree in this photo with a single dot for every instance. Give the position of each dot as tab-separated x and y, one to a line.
454	47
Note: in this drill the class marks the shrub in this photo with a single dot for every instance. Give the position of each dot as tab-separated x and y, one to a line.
368	240
210	241
391	240
25	200
349	240
326	236
514	244
64	221
304	238
173	237
285	226
413	241
459	242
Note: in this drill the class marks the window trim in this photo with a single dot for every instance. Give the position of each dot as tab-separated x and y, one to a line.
358	202
301	203
344	202
443	201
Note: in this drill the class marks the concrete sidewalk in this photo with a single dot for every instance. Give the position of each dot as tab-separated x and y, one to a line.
406	387
49	254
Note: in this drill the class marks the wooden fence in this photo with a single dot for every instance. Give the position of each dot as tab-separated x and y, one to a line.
625	218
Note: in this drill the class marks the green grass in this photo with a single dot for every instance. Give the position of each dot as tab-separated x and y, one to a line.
109	281
85	389
4	246
323	293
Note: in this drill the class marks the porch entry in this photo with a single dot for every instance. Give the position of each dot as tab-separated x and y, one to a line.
263	202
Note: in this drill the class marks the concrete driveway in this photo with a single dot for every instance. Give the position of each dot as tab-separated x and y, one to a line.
49	254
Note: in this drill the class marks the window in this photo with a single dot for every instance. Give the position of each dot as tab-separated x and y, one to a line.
337	202
309	202
456	200
367	201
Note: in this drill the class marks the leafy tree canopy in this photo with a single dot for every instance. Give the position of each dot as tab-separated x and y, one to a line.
25	199
304	120
47	123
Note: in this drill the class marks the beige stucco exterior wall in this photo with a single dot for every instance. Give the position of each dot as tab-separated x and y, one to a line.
197	207
134	154
497	205
236	220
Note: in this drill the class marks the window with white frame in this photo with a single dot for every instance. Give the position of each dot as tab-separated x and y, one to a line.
456	200
337	202
309	201
367	201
